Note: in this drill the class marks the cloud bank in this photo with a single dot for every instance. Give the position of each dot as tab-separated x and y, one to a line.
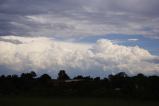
47	55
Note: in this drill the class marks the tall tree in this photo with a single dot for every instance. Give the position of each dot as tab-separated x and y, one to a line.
62	75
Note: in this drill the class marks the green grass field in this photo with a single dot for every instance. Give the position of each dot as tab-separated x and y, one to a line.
26	101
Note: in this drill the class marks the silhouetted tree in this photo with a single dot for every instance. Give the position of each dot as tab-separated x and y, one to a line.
78	77
97	79
62	75
30	75
45	77
88	78
119	85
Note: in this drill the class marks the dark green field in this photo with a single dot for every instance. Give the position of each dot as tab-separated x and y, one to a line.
26	101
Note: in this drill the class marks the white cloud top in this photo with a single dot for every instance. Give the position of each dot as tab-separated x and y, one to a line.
103	57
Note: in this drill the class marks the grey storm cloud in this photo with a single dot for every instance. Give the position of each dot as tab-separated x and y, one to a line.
71	18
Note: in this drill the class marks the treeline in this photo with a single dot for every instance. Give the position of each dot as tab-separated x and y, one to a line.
119	85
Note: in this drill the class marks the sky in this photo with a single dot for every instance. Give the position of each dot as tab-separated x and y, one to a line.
83	37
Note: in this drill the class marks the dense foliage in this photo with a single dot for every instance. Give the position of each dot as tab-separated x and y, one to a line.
119	85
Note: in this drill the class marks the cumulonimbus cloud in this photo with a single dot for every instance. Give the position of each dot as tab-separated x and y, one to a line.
50	55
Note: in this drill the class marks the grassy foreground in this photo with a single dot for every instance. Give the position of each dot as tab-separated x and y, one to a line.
27	101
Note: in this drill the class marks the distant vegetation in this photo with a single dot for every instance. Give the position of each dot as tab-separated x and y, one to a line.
114	86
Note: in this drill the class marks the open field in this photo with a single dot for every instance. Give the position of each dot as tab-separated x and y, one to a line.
26	101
